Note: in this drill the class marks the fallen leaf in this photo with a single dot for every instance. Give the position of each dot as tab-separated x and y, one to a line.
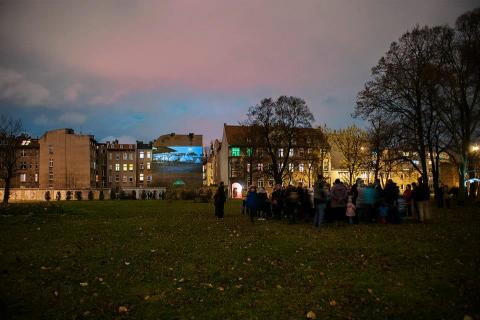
311	315
122	309
127	263
55	293
220	288
370	291
83	284
333	303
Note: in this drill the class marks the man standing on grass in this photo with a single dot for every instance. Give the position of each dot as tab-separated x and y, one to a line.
219	200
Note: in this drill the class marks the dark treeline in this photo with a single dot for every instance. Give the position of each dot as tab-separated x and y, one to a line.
423	98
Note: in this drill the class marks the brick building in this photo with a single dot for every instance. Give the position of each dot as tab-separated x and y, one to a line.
121	165
144	164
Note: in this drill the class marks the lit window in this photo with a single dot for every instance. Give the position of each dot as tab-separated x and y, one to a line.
141	166
23	152
309	150
125	167
300	152
23	177
249	152
149	154
280	152
271	182
125	156
148	165
117	166
260	167
235	152
291	166
248	167
301	167
290	153
142	154
50	148
260	183
36	177
110	166
130	167
141	177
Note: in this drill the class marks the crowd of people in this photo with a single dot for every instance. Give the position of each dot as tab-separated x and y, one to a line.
361	203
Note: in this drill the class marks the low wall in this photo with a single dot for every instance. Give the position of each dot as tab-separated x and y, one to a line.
31	194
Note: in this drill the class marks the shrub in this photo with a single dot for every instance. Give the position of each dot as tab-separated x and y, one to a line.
154	195
90	195
113	195
144	195
68	195
123	195
78	195
101	196
134	195
59	196
47	196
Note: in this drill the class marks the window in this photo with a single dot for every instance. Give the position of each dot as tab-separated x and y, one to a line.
300	152
130	179
50	177
117	156
50	149
290	152
294	141
125	167
260	183
141	177
125	156
141	166
309	140
248	167
301	167
235	152
130	156
271	182
23	153
149	178
23	165
149	154
148	165
260	153
110	156
260	167
249	152
249	140
280	152
117	166
50	163
142	154
291	166
23	177
130	167
309	151
117	178
110	166
124	178
36	177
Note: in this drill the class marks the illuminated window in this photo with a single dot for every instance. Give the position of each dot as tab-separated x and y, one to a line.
260	183
301	168
301	152
36	177
141	166
290	152
291	166
23	177
50	148
142	154
23	152
309	150
271	182
248	167
235	152
249	152
125	167
148	165
117	166
260	167
141	177
130	167
110	166
280	152
149	154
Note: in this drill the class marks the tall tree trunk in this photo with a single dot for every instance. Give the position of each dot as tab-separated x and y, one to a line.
6	192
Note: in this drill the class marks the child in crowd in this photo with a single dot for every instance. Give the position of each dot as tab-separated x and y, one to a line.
383	213
350	210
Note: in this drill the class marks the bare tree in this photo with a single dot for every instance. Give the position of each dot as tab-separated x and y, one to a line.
352	144
278	122
11	137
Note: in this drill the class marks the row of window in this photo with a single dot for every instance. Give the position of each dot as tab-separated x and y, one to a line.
235	152
23	177
291	167
130	178
24	165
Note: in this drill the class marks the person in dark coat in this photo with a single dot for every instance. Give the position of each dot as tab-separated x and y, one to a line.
219	199
277	202
251	202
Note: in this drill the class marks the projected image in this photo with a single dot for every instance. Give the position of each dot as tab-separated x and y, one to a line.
177	166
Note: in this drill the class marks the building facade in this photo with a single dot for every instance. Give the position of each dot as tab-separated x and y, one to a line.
121	165
67	160
144	164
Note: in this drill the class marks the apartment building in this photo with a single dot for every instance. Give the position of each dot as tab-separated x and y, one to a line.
121	165
144	164
67	160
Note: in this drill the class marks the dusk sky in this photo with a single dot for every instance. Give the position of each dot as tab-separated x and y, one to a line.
138	69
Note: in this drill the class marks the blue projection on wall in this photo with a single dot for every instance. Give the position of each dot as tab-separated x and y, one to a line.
183	154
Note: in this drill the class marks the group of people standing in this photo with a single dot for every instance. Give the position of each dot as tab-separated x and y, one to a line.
368	203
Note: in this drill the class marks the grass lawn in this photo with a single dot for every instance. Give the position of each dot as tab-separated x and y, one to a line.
174	260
